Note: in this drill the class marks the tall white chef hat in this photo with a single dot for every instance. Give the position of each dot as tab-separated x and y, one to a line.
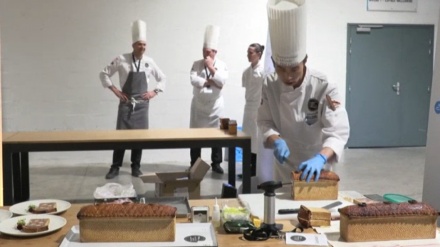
212	34
287	29
139	31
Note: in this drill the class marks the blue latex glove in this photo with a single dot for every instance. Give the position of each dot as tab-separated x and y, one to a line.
312	167
281	150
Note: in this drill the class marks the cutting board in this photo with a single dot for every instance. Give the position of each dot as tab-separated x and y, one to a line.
255	202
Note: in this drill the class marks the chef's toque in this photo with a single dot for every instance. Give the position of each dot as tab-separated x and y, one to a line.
139	31
287	29
212	34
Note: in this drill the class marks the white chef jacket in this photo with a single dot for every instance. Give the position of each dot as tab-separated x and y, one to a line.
303	118
252	81
123	64
207	103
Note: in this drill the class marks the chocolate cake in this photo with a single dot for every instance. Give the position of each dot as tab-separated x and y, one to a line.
325	189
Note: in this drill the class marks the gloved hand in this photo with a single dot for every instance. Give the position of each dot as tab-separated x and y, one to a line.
312	166
281	150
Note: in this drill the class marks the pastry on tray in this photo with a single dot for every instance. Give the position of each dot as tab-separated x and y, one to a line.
388	221
128	222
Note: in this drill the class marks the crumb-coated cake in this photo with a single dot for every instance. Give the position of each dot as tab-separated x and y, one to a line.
387	221
325	189
129	222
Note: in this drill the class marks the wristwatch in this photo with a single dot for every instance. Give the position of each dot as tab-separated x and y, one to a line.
157	90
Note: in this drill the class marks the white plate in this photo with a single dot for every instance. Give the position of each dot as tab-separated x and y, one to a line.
9	226
5	214
22	207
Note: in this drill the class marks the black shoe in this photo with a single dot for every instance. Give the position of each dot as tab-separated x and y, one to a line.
135	172
114	171
217	168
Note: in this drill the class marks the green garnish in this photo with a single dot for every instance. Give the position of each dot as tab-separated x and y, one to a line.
31	207
20	224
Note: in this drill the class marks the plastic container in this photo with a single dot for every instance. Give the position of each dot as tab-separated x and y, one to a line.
397	198
216	215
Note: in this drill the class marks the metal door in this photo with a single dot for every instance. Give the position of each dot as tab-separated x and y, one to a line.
389	75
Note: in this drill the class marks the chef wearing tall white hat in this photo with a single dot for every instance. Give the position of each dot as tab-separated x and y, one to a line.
134	92
208	76
301	117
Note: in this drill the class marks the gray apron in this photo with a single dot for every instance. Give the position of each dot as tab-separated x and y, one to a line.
134	113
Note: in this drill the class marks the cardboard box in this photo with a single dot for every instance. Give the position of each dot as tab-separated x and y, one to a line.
172	183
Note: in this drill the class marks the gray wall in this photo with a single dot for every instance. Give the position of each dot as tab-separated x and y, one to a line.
53	51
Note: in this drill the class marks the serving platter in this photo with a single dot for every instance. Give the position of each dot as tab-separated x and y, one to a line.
187	234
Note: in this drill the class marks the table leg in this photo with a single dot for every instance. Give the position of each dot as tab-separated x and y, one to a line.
231	166
16	177
24	161
8	190
247	168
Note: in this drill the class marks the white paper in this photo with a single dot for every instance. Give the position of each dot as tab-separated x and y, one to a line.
114	190
306	239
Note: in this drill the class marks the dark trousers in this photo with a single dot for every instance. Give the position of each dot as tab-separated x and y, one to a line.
118	157
216	155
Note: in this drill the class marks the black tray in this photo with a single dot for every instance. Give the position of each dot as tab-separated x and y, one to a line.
181	203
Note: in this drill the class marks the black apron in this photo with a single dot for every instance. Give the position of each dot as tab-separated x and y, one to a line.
134	113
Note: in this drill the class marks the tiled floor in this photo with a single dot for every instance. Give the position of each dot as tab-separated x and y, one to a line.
75	175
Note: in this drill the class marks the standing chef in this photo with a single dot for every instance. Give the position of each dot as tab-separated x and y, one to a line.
301	117
208	76
252	81
134	71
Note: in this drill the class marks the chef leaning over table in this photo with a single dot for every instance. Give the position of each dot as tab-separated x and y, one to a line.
301	116
134	92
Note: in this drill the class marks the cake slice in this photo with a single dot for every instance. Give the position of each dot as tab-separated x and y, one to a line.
44	208
312	216
36	225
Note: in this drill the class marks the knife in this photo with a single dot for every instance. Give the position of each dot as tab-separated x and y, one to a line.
296	210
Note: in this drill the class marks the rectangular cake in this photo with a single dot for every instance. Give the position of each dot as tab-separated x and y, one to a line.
313	216
44	208
325	189
36	225
129	222
387	221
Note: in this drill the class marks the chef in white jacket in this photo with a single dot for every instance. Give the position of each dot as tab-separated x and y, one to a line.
208	76
134	93
301	116
252	81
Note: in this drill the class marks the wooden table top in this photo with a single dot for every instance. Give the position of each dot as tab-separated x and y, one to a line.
55	238
120	135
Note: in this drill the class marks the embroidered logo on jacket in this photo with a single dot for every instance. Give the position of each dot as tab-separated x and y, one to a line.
313	104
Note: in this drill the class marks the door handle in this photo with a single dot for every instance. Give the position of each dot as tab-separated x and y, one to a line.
396	88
